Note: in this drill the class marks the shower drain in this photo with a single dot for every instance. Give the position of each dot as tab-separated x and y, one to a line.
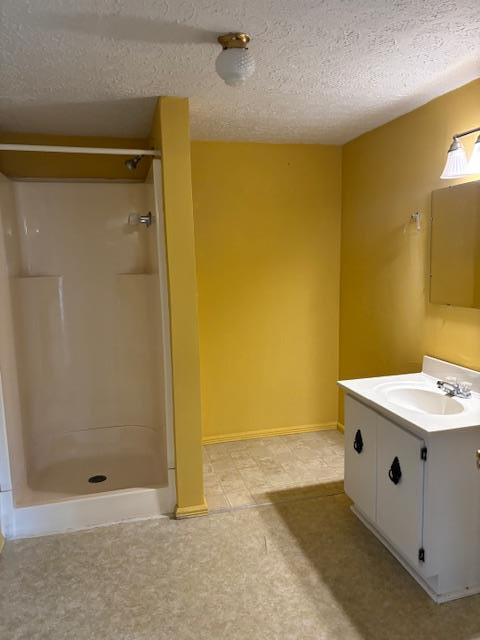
95	479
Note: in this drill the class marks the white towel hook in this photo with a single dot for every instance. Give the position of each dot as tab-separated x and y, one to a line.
415	217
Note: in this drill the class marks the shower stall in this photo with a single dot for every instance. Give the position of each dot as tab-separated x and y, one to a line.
86	425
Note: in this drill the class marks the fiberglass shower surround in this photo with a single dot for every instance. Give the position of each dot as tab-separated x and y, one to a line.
90	349
85	313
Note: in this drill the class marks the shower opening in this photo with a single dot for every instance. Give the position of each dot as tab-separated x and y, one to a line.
86	379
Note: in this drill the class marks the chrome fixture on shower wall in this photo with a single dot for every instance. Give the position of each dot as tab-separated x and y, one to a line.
457	164
136	218
132	163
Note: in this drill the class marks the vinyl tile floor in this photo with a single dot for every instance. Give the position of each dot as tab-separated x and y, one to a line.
259	471
300	570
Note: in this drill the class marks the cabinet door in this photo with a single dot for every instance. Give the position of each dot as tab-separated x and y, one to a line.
400	471
360	456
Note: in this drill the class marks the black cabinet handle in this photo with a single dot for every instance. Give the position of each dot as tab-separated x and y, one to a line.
358	442
395	472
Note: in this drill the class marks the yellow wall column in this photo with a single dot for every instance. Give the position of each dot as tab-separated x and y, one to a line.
171	134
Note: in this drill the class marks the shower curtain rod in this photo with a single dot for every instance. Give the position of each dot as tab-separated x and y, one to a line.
90	150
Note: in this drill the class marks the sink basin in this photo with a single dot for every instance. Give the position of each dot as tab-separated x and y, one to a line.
414	399
423	401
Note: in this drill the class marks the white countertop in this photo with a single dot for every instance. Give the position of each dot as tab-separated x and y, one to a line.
373	392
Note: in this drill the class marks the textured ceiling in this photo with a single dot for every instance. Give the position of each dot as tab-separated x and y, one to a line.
327	70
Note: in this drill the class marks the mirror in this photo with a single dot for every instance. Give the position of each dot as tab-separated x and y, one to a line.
455	246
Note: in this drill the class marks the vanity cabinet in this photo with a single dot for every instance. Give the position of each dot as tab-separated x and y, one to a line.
360	457
384	476
400	478
412	470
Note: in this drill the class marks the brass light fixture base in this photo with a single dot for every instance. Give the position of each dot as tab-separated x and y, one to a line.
234	40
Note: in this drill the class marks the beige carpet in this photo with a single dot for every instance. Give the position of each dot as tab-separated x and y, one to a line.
296	570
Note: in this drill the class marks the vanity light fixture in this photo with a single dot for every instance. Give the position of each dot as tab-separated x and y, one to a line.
235	63
457	164
474	164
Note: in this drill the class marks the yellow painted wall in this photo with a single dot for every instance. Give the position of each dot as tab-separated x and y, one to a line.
23	164
171	133
267	233
386	320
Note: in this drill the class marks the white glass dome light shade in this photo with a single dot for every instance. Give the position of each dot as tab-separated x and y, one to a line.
235	65
456	164
474	164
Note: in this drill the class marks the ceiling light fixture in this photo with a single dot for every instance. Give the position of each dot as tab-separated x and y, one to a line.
235	62
457	164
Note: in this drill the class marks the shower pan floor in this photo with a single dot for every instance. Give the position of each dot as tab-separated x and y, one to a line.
95	461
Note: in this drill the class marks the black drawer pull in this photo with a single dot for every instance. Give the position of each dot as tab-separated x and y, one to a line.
395	472
358	442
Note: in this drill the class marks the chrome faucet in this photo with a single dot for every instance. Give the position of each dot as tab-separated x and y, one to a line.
146	219
454	388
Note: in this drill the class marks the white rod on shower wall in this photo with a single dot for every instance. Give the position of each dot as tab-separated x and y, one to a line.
89	150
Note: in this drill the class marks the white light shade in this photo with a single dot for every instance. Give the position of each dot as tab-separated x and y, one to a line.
235	65
474	164
456	165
